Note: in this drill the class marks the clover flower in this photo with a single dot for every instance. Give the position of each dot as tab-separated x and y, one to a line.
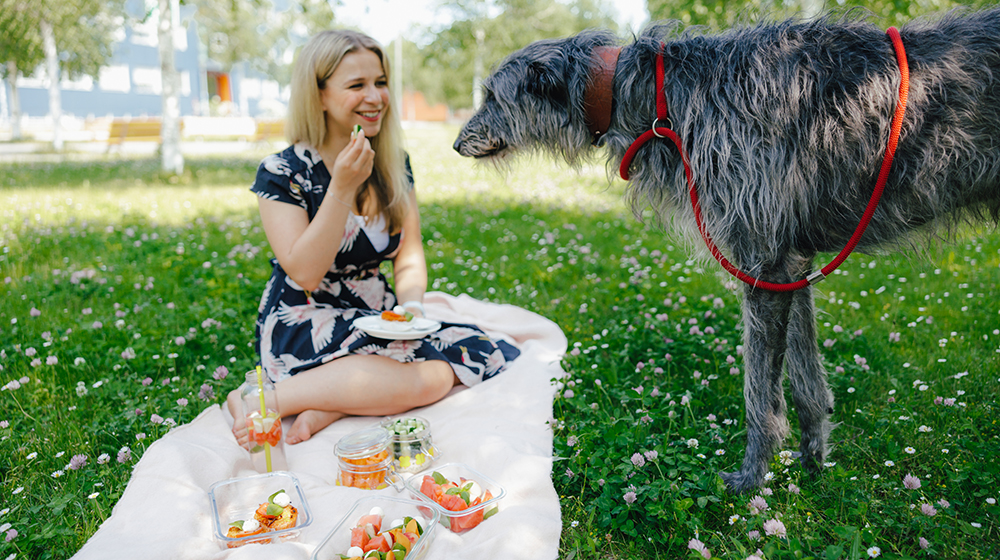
77	462
103	458
923	543
220	373
911	482
758	504
629	497
696	545
775	527
638	460
206	393
124	455
928	510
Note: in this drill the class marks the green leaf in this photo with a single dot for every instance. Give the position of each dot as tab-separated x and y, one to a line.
683	505
439	478
271	497
273	509
491	512
702	502
237	524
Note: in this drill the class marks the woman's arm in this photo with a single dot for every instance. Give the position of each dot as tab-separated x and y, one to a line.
306	250
409	268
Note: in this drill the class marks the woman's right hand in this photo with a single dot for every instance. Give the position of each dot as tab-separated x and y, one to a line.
352	168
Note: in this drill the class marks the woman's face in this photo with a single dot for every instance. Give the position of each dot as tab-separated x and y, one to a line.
356	93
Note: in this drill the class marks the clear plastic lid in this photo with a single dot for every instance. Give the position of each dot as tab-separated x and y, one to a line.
363	443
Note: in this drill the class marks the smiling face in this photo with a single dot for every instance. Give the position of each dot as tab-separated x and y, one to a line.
357	93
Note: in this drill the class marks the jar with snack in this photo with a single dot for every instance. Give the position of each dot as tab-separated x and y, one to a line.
263	421
412	447
364	459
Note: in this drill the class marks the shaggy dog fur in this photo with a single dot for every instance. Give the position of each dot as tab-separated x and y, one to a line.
785	125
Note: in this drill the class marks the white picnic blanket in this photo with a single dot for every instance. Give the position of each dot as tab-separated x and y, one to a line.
498	427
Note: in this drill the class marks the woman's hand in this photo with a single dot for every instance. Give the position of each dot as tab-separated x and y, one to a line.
352	168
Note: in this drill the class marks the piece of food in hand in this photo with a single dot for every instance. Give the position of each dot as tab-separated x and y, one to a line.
355	131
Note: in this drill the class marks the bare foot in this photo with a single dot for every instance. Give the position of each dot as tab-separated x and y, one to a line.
239	422
308	422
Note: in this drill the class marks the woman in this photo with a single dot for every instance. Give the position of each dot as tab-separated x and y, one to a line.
334	205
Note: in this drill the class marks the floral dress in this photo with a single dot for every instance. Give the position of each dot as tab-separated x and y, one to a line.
297	330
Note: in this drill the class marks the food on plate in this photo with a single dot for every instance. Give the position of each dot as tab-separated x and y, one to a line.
276	514
398	319
459	496
263	429
371	539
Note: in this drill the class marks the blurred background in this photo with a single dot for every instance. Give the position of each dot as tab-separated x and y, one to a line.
100	75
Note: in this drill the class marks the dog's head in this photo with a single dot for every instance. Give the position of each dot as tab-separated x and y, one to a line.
534	101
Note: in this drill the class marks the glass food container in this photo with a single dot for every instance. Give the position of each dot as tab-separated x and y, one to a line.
412	447
237	499
338	541
463	518
364	459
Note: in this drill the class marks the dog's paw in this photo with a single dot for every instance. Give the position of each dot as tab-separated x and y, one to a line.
740	482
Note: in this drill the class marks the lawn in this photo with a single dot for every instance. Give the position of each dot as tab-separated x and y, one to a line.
127	301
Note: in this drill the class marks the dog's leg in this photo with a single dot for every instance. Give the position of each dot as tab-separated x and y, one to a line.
765	318
810	392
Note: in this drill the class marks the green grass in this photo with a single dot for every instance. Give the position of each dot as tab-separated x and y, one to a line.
172	268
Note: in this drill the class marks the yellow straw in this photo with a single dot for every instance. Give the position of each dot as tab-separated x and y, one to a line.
263	415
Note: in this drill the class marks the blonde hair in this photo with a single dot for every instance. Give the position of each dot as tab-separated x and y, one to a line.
306	122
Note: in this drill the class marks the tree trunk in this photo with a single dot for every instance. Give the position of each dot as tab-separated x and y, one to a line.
15	102
170	129
52	69
477	73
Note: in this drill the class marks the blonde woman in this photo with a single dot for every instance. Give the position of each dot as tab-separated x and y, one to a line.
334	205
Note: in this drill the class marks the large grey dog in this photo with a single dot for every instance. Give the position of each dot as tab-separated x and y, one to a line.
785	125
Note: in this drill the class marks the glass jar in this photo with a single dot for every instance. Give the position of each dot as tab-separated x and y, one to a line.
264	437
364	459
412	447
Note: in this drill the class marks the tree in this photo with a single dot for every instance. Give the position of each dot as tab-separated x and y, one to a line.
20	47
489	30
235	31
73	37
170	124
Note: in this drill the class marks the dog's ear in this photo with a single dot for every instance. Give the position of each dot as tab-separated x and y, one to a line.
542	78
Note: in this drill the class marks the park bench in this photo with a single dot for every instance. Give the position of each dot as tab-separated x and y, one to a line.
134	130
269	130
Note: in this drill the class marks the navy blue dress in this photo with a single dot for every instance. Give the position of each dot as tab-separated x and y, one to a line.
297	330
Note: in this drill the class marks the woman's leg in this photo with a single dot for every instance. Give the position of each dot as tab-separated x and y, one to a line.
354	385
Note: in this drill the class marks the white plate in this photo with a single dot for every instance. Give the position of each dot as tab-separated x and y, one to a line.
373	326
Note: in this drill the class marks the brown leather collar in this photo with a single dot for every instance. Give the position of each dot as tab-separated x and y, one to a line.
598	97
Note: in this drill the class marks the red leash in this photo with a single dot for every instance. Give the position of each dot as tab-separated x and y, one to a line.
663	132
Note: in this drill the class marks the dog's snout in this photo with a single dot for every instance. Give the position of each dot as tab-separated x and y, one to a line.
457	146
